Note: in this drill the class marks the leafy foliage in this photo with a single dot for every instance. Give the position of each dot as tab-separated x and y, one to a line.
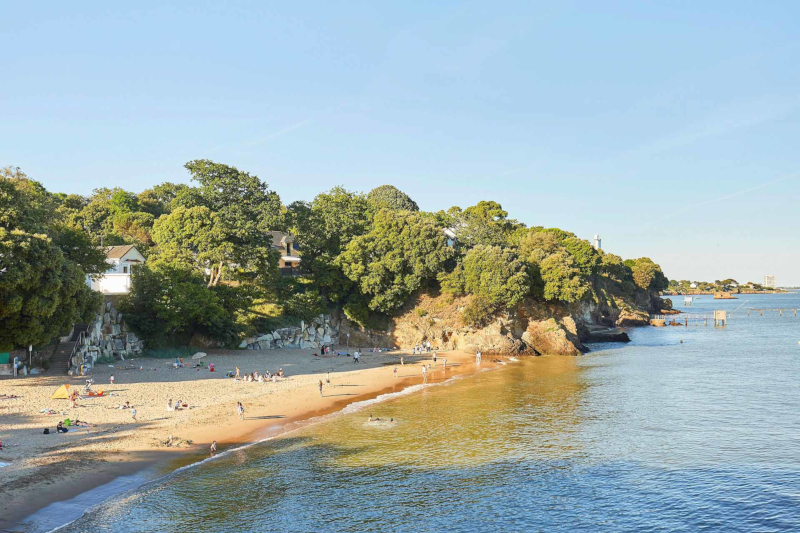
390	197
41	292
169	303
399	255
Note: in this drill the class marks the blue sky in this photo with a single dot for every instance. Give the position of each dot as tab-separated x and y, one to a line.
670	128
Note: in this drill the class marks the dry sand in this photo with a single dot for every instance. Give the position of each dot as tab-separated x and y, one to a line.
56	467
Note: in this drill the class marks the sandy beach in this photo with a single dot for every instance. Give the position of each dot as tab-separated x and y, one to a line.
41	469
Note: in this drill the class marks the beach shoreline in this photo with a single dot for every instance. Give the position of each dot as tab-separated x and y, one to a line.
41	475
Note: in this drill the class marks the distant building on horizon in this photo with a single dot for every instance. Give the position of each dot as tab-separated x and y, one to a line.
769	281
597	244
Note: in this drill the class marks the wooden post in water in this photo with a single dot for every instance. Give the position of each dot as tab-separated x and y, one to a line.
686	321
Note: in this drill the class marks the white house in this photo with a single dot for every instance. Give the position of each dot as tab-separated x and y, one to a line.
117	279
289	262
693	285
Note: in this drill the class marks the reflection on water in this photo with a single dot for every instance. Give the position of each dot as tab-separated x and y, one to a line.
658	435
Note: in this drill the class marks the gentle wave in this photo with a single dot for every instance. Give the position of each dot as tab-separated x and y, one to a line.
106	493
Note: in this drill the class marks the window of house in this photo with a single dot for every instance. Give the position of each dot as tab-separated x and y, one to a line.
125	270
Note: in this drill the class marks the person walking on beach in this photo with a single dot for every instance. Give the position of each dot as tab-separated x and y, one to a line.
320	388
133	414
111	379
402	361
356	357
237	373
328	378
444	364
395	371
434	358
213	448
424	374
240	410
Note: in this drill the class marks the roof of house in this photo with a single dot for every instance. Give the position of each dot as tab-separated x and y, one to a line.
280	238
118	252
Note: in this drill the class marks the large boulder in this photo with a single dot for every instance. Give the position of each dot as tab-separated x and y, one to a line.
631	317
552	337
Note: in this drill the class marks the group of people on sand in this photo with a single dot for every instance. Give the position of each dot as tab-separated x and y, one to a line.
177	405
420	348
258	377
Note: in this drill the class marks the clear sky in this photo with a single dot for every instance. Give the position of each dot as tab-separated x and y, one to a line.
670	128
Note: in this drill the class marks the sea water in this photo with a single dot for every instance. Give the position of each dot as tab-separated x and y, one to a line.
684	429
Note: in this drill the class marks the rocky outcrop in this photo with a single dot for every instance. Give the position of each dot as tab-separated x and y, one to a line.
535	328
322	331
106	337
553	337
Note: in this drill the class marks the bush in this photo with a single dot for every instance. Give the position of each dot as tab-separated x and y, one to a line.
305	306
478	312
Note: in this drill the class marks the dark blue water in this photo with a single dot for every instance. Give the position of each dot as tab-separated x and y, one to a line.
656	435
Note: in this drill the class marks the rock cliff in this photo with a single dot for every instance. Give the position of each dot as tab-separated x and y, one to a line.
533	328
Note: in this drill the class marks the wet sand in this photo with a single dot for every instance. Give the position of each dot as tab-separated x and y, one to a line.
50	468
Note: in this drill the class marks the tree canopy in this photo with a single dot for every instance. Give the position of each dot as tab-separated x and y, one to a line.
399	255
390	197
212	268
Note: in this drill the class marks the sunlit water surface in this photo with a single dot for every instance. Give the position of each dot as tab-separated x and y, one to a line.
655	435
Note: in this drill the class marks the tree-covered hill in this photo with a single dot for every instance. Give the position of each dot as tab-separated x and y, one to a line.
211	269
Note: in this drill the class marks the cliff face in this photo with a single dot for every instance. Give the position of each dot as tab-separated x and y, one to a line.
534	328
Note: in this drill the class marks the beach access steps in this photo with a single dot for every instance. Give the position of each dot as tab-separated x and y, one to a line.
64	350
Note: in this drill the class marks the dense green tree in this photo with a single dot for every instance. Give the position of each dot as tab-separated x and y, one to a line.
135	227
246	210
322	229
77	247
193	239
166	304
584	254
123	202
157	200
647	275
494	276
562	278
390	197
24	203
41	292
399	255
492	272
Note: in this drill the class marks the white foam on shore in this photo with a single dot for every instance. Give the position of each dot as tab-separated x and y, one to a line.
46	519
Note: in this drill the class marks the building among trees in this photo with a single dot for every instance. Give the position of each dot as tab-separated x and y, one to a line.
769	281
117	279
289	262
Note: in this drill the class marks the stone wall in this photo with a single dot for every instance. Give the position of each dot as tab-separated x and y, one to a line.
322	331
107	336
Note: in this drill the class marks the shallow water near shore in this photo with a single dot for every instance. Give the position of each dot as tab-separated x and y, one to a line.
655	435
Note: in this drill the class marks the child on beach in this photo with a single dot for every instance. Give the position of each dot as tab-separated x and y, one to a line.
133	414
395	371
424	374
240	410
328	378
320	388
111	379
213	448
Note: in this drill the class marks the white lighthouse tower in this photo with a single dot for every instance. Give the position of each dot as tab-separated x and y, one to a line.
597	244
